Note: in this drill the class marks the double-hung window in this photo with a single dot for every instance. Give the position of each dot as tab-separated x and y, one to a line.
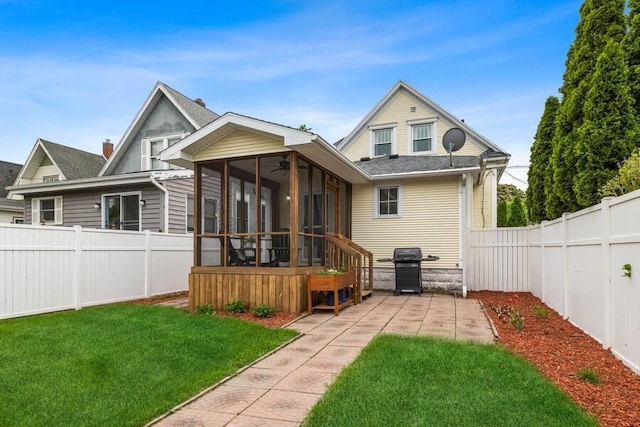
388	201
209	217
382	141
151	148
46	210
421	137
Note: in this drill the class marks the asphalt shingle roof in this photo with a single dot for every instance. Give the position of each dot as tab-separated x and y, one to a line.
202	115
74	163
8	174
408	164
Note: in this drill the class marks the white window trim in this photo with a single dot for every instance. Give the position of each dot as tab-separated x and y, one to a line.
376	200
145	150
433	121
202	223
35	210
50	178
104	206
373	128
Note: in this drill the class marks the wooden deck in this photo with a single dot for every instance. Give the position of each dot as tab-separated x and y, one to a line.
284	288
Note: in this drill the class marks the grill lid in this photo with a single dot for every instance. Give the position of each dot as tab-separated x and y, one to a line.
407	254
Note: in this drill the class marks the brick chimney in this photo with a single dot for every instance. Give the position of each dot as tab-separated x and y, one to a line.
107	148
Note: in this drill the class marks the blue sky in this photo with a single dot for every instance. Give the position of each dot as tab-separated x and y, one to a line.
77	72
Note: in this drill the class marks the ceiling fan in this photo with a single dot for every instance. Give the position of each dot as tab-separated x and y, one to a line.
285	164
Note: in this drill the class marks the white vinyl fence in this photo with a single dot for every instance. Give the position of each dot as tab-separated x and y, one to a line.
575	265
46	269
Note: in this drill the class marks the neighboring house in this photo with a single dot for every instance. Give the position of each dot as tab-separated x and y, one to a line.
11	211
388	184
127	188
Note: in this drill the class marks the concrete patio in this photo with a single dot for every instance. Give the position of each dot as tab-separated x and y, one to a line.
280	388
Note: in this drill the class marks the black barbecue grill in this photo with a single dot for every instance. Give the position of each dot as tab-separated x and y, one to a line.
408	263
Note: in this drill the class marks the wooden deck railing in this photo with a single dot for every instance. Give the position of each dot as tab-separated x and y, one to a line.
343	253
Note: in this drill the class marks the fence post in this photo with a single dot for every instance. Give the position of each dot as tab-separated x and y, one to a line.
77	267
606	268
147	263
565	258
543	276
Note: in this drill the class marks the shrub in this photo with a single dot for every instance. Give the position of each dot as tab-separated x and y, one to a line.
264	310
540	312
589	375
205	309
236	307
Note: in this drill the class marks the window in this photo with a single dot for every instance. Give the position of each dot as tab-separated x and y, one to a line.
51	178
17	220
46	210
387	200
210	217
151	148
382	141
121	211
420	137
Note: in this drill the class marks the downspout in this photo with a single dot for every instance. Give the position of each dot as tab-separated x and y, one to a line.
165	203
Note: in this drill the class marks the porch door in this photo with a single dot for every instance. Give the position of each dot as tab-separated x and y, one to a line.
333	209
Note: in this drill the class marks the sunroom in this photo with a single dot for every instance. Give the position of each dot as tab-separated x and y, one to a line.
272	204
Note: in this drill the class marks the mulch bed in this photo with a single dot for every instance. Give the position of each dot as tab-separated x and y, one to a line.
559	350
278	320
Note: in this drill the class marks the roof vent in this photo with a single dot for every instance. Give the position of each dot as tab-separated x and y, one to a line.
365	159
200	102
393	156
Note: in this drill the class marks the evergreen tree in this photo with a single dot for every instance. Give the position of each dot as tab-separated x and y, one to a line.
541	151
518	216
631	45
502	214
600	20
607	135
506	192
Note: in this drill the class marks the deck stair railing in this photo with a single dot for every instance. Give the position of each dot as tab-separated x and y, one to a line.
343	253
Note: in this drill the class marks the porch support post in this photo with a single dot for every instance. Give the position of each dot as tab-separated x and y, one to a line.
293	210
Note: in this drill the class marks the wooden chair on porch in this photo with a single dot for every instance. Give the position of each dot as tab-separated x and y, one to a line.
280	251
239	256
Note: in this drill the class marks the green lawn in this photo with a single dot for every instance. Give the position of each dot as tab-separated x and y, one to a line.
118	365
409	381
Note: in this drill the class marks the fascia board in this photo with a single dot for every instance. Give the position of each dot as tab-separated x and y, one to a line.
425	174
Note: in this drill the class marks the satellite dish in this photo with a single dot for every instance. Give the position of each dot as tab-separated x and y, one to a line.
453	140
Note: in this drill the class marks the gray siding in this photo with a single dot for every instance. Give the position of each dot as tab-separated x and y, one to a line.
178	190
77	207
164	119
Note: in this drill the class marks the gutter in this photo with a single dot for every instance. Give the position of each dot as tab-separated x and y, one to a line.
165	203
79	184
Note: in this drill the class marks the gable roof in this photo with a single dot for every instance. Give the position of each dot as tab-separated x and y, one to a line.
307	143
402	85
72	163
195	113
8	174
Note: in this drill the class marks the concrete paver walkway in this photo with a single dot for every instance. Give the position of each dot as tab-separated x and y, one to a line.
281	388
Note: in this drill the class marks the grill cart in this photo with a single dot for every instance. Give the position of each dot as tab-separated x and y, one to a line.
408	269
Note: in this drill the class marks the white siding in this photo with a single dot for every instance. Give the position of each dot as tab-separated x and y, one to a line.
240	143
430	220
398	112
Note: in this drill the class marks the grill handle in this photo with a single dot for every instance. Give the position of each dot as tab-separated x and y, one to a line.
431	258
384	260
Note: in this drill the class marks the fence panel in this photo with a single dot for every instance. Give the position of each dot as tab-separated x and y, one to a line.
46	269
575	265
498	260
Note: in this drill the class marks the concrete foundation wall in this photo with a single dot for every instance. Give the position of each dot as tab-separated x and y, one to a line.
433	279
